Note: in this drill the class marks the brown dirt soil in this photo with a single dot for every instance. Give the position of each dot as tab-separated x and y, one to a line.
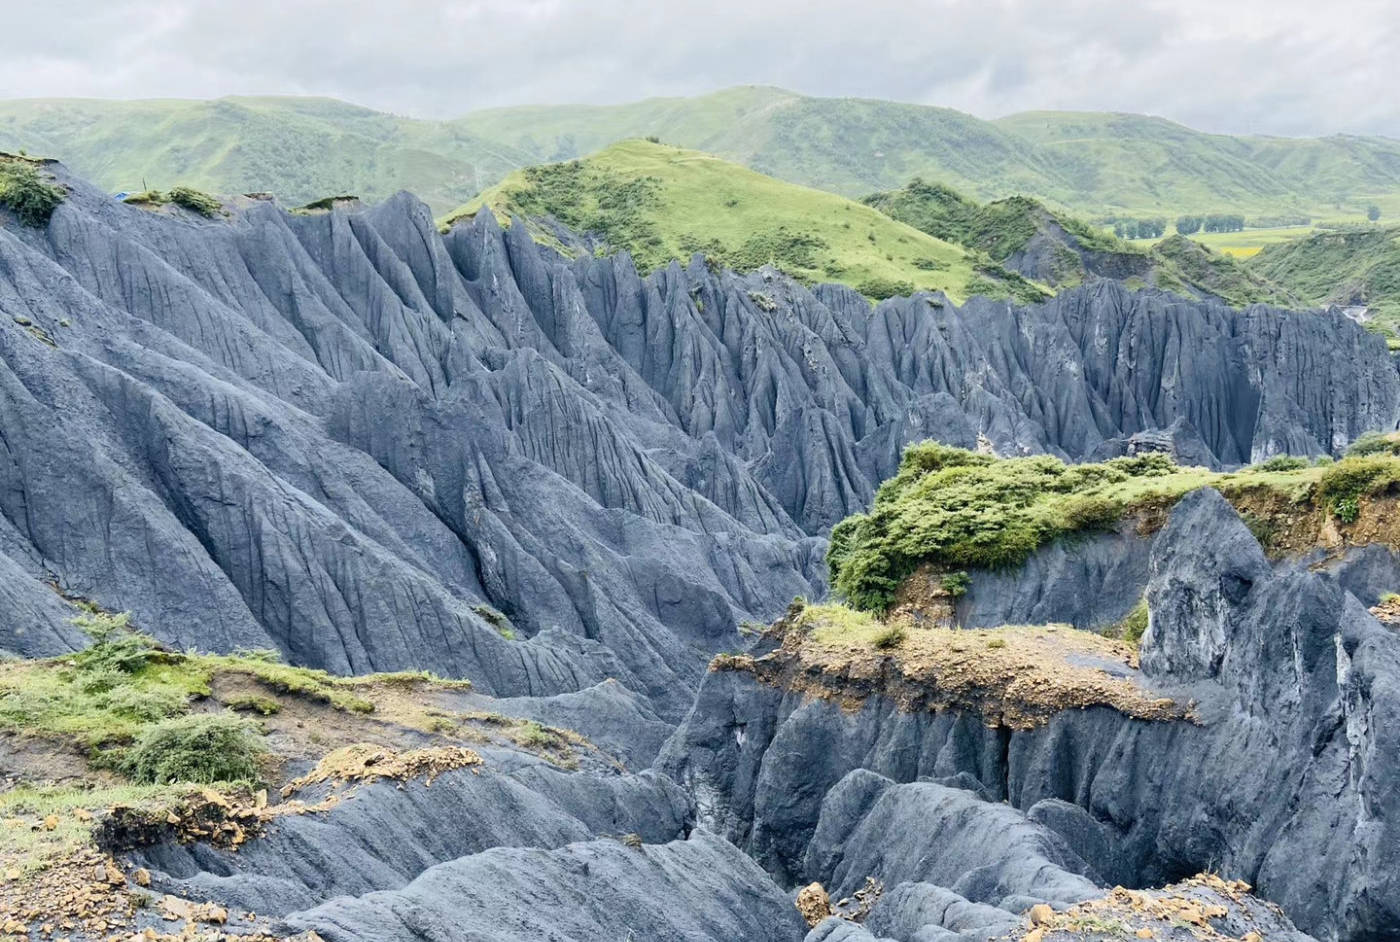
20	755
923	599
363	763
1181	912
1387	612
1014	677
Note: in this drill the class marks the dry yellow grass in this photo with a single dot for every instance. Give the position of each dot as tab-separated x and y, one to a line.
1016	676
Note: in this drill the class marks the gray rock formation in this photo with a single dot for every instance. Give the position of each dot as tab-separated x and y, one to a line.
373	447
385	835
1287	779
341	435
699	889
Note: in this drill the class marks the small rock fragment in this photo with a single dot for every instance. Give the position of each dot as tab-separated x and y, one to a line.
814	904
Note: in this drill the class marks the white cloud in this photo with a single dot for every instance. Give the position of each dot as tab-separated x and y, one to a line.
1281	66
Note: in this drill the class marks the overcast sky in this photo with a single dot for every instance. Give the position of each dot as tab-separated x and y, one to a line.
1297	67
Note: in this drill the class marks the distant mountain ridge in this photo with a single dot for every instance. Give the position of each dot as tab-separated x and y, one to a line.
306	148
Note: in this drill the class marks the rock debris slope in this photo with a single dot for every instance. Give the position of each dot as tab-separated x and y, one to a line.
356	440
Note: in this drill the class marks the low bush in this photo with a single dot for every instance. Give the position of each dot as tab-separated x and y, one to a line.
1133	625
1342	485
24	192
1283	463
957	509
116	646
1375	443
1090	512
956	584
146	705
253	703
146	198
878	289
194	200
890	636
200	748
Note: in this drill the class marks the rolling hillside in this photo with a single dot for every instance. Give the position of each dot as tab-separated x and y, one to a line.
1060	251
301	149
659	202
1094	164
1357	267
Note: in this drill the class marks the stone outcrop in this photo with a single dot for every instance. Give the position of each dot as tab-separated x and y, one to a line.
1285	777
373	446
344	435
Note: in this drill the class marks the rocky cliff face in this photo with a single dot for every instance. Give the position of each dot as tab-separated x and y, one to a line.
1284	777
372	446
344	435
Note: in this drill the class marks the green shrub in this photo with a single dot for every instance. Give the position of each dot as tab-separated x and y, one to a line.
956	584
878	289
496	620
1343	484
1090	512
194	200
1375	443
1282	463
200	748
146	704
147	198
1347	509
1131	628
116	646
957	508
1147	465
890	636
253	703
25	193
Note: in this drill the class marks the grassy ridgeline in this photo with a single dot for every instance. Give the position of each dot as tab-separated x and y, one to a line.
304	148
660	203
956	509
1359	265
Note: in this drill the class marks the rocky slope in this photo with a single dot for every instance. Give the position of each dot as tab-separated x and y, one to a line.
373	446
1283	775
342	434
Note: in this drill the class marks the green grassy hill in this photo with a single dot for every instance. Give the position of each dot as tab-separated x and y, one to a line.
298	148
1357	266
1055	249
1139	163
659	202
1093	164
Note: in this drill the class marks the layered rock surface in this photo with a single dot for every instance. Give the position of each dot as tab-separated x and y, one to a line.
372	446
341	435
1285	778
